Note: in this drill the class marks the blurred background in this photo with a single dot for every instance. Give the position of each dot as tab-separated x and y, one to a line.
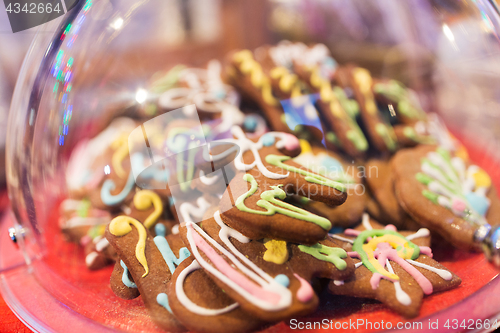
382	36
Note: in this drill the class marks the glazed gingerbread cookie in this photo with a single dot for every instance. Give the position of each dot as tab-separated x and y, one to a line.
253	203
202	306
379	131
246	74
270	279
335	167
77	218
393	267
151	262
445	193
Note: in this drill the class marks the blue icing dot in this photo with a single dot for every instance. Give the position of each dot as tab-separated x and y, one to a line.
220	94
479	203
336	230
171	201
332	165
162	299
267	140
330	62
160	230
283	280
250	123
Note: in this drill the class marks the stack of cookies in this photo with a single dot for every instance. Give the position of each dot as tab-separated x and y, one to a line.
294	176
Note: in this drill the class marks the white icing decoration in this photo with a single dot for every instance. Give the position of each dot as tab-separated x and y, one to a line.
444	274
101	244
188	210
422	232
71	204
266	281
356	265
245	145
366	222
79	221
90	258
210	180
401	295
338	282
175	229
187	303
452	183
341	238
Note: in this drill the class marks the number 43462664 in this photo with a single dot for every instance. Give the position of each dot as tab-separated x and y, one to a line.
33	8
470	324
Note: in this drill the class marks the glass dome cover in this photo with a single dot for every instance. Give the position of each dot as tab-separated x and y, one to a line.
115	67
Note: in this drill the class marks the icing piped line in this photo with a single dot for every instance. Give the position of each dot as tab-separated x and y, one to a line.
168	255
108	186
446	275
401	295
272	205
268	285
188	210
125	279
422	232
187	303
366	222
341	238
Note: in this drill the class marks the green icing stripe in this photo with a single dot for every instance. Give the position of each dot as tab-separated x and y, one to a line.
272	205
358	139
326	253
308	176
451	185
431	196
185	184
423	178
349	105
363	236
383	131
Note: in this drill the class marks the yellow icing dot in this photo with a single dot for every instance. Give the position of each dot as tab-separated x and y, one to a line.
336	109
363	79
278	72
326	93
370	106
482	179
305	146
276	251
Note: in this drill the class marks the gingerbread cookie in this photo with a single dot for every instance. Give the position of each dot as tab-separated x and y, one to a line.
253	204
147	207
151	262
271	286
335	167
393	267
445	193
380	181
332	103
88	166
378	130
403	101
77	218
246	74
202	306
122	282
